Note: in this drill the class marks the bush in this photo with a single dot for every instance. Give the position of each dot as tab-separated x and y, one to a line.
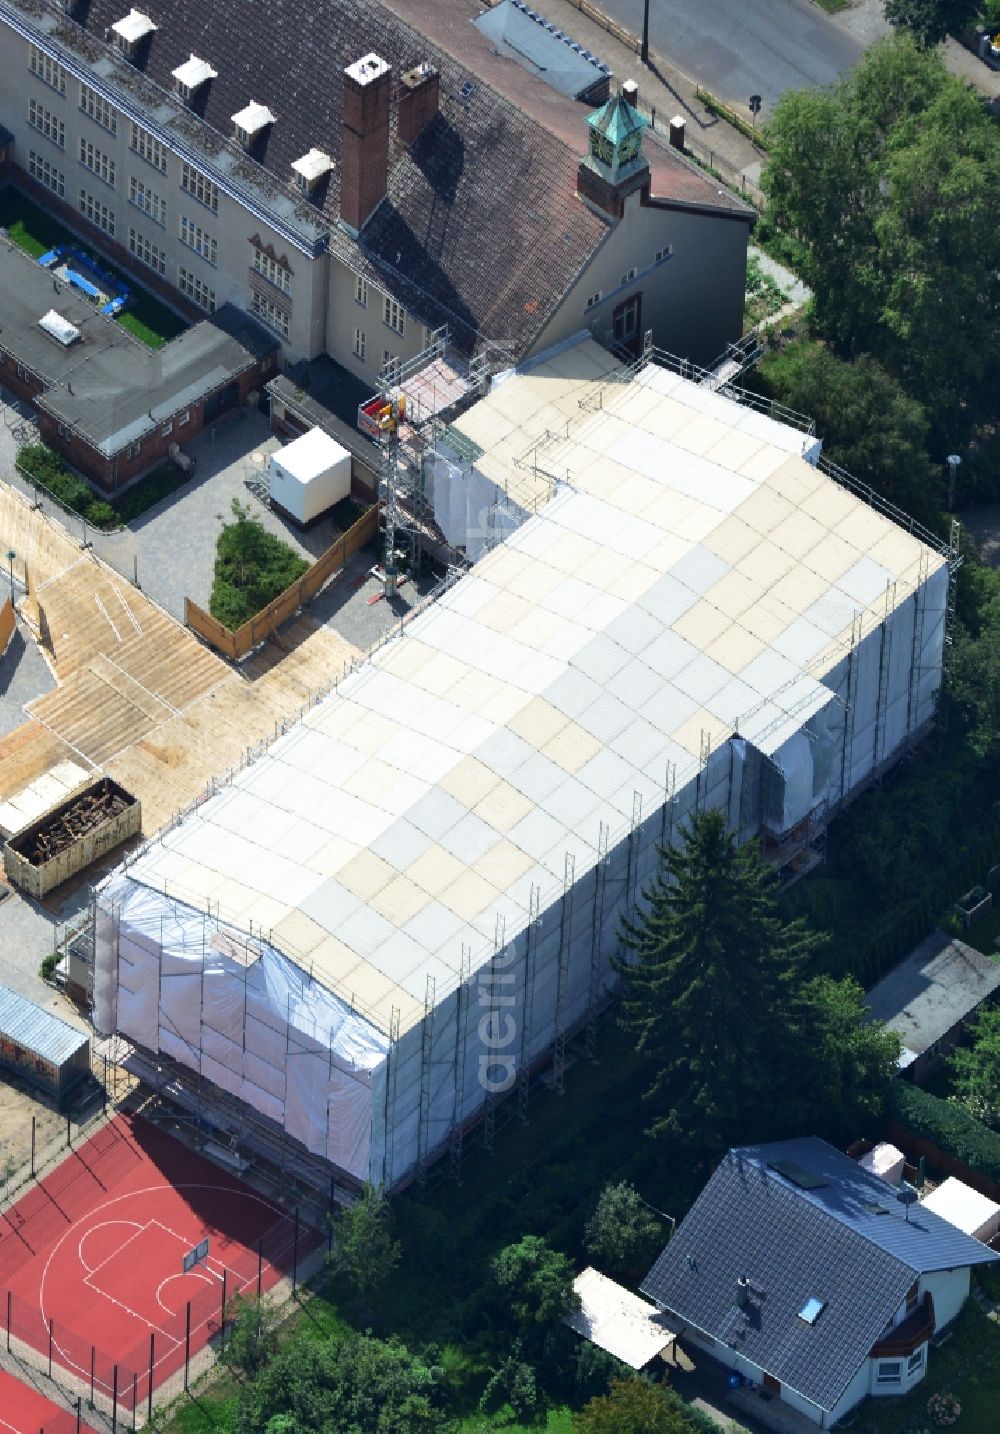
252	568
48	471
947	1125
47	969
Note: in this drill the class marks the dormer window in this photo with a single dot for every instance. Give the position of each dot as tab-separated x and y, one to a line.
251	122
310	169
190	77
131	32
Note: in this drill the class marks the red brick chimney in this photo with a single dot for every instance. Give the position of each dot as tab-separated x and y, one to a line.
364	160
419	90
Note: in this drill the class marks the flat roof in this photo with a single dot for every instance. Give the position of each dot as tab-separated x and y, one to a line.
108	386
672	585
941	982
38	1030
311	455
613	1318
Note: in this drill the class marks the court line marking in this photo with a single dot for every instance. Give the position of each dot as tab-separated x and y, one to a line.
102	1226
248	1194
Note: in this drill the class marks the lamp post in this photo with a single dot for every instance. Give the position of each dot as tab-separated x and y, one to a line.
11	555
644	53
953	460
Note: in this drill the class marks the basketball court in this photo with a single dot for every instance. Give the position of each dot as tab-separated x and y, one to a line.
120	1263
24	1411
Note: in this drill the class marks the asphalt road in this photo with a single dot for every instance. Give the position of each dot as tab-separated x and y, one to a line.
737	48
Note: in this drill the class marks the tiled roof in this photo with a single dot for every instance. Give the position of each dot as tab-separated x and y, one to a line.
794	1244
481	227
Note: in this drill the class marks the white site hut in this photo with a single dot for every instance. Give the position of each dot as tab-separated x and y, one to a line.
965	1208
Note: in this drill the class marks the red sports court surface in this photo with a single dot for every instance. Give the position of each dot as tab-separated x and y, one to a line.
23	1411
93	1256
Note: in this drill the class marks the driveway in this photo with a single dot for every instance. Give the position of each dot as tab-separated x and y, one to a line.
736	49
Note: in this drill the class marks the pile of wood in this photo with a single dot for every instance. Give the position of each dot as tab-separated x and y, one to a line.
90	810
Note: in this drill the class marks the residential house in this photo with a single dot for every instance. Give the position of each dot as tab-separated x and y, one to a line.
813	1278
355	186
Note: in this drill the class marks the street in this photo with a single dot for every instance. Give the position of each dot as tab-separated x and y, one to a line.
736	49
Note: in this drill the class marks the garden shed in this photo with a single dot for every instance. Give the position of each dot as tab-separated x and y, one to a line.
965	1208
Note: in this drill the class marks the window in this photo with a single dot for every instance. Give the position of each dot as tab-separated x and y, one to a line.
664	253
97	212
594	299
915	1362
360	344
97	162
270	313
361	291
889	1371
98	108
191	285
47	174
143	198
148	253
183	418
49	71
23	374
812	1309
148	148
627	277
394	314
272	271
200	188
132	451
390	366
47	124
625	324
195	238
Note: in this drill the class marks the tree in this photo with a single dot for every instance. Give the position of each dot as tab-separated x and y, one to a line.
536	1285
843	1063
868	424
891	181
975	1069
359	1385
974	674
709	979
252	1337
252	567
930	21
623	1232
634	1406
364	1251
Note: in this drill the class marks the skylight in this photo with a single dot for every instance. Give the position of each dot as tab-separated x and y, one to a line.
812	1309
797	1174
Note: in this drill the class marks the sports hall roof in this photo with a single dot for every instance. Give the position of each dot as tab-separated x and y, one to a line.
692	573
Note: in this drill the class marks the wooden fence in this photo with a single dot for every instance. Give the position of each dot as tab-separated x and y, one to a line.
264	624
7	624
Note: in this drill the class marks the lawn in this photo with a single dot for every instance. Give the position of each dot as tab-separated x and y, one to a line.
967	1364
36	232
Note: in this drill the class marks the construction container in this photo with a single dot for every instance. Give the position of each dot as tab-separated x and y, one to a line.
309	476
72	835
39	1047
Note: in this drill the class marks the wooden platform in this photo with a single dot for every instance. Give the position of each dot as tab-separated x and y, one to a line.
140	697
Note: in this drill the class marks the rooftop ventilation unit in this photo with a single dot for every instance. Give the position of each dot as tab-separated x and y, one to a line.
131	31
311	168
250	122
59	328
190	76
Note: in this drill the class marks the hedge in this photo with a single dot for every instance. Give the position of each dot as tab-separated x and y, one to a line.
947	1125
47	470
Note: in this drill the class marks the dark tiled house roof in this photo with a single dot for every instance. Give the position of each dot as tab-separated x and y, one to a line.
481	226
845	1241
